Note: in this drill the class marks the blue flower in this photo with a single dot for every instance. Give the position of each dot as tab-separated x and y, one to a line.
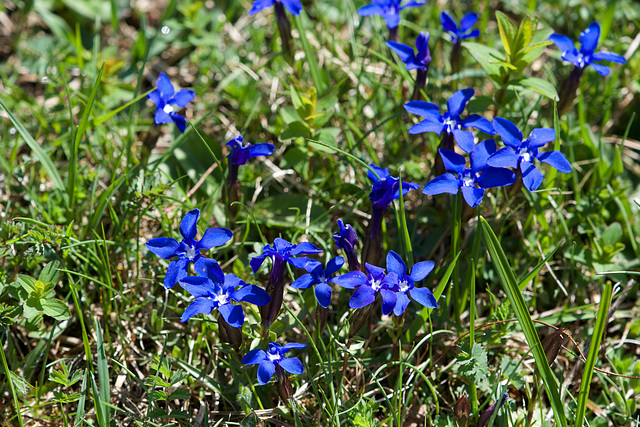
406	283
462	32
368	285
473	180
168	102
386	188
449	122
213	289
273	361
520	152
587	54
321	278
346	238
187	250
240	151
293	6
413	61
285	251
387	9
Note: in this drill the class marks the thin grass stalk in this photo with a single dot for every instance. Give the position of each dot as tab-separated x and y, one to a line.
14	394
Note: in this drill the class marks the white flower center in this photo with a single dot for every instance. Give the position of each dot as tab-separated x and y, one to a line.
168	109
273	357
526	156
376	284
468	181
450	124
404	286
190	252
221	299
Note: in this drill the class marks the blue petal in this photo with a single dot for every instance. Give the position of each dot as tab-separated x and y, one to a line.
453	162
256	262
401	303
564	43
423	109
496	177
231	282
510	134
481	154
351	280
412	4
156	98
458	101
290	346
392	20
478	122
233	314
395	264
447	183
254	357
182	98
304	281
422	46
165	87
465	140
503	158
300	262
323	294
188	227
472	35
252	294
209	268
161	117
468	21
180	121
531	176
213	237
293	365
293	6
305	248
427	125
259	5
423	296
197	286
472	195
404	52
334	265
541	136
362	297
609	56
199	306
589	38
448	23
262	149
388	301
374	270
177	271
370	9
164	247
603	70
381	173
421	270
266	369
557	160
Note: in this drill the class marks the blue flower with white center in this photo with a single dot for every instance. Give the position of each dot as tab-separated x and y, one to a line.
386	188
293	6
320	278
450	122
369	285
461	32
471	181
405	286
388	9
413	60
587	54
187	250
168	102
273	361
520	152
213	289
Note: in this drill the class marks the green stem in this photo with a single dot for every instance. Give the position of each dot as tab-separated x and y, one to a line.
11	386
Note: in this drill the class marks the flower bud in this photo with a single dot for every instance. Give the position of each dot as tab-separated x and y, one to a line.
462	411
488	413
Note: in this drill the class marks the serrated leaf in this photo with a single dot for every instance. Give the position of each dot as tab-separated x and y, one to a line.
180	394
177	377
21	385
56	309
508	32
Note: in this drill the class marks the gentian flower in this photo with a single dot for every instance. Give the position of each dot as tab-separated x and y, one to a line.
273	361
168	102
413	61
485	417
368	285
473	180
463	31
406	283
187	250
321	278
450	122
520	152
587	54
347	239
293	6
387	9
213	289
240	151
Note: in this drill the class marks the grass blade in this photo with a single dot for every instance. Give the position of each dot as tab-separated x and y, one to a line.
103	376
533	273
303	24
587	374
510	287
9	379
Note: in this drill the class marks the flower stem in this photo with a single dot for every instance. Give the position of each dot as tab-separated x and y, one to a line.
284	26
421	82
372	249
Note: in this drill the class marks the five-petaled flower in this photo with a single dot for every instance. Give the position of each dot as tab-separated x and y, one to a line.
587	54
388	9
285	251
471	181
406	283
450	122
520	152
213	289
240	152
386	188
187	250
460	32
273	361
368	285
413	60
168	102
321	278
293	6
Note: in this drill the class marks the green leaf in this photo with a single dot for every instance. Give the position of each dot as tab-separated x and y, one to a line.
56	309
534	272
295	130
28	283
104	393
508	32
523	37
50	273
486	57
541	86
505	65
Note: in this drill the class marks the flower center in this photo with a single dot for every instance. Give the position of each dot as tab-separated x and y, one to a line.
273	357
524	155
450	124
376	284
221	299
168	109
405	286
467	181
190	252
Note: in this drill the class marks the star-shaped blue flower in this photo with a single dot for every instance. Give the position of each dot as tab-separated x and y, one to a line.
388	9
273	360
386	188
293	6
240	151
413	60
285	251
450	122
368	285
587	54
320	278
213	289
520	152
473	180
460	32
168	102
187	250
405	286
